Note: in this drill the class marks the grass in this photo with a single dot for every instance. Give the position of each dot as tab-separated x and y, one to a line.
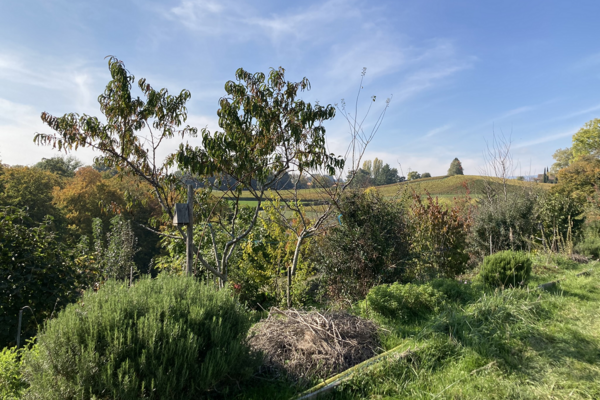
515	344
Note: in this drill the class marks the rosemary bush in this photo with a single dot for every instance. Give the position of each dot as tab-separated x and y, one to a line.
163	338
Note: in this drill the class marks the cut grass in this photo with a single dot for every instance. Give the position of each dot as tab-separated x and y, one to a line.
517	344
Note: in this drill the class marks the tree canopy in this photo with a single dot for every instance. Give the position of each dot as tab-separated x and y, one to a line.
455	168
587	140
63	166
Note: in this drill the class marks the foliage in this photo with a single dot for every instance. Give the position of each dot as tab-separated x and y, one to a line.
412	175
130	138
425	175
361	179
579	179
85	197
115	251
454	290
589	240
504	224
90	195
506	269
266	130
12	384
37	274
169	337
404	302
563	158
586	142
589	246
267	256
455	168
367	249
31	189
438	236
559	216
62	166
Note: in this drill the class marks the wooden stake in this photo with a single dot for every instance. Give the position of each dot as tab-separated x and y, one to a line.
190	231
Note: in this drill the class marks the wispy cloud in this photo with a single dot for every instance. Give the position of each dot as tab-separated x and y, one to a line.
577	113
241	21
545	139
73	80
437	130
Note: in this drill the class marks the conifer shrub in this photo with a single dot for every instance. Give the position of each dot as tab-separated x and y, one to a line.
164	338
406	302
506	269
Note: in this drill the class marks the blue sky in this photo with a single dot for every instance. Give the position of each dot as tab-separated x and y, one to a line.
458	70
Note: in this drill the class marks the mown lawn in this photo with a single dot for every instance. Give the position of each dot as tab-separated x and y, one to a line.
512	344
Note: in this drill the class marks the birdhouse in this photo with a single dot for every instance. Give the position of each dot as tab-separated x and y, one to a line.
181	216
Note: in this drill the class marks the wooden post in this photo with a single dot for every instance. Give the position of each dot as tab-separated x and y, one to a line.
190	231
19	328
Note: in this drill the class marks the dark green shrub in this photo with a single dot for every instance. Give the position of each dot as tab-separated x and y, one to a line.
11	381
455	290
507	222
506	269
406	302
164	338
368	248
37	272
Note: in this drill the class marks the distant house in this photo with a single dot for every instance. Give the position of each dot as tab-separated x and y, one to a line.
551	178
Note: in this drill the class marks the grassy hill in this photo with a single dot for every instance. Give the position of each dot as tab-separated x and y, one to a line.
444	187
450	186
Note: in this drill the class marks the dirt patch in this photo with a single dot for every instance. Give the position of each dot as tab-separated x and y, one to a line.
308	344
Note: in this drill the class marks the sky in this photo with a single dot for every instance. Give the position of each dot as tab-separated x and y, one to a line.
457	72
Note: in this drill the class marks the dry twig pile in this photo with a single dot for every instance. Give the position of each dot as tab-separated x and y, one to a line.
310	344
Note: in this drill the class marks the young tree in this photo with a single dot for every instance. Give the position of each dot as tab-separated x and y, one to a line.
377	169
563	157
455	168
412	175
130	138
267	132
387	176
587	140
331	197
63	166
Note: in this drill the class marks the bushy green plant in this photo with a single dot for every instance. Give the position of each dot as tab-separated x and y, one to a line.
406	302
589	241
438	237
506	269
11	381
455	290
368	247
503	223
163	338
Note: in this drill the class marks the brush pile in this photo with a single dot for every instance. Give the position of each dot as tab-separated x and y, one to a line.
308	344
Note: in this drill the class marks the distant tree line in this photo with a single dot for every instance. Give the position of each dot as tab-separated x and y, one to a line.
375	173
